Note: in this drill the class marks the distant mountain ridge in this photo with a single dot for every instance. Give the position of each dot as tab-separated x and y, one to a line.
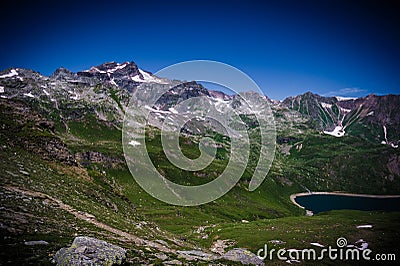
377	116
103	91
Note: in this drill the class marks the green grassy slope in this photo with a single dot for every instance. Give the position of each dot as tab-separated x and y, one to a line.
110	193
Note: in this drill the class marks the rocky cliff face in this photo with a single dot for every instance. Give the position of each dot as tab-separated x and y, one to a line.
85	158
23	127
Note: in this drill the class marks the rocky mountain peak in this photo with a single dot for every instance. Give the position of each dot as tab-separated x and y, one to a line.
63	74
126	75
126	68
220	95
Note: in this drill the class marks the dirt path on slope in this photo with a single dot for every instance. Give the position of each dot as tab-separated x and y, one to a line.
92	219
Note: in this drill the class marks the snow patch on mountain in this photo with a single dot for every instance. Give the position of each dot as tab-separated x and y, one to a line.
337	132
119	66
344	110
326	105
146	78
339	98
156	110
385	133
137	79
364	226
29	95
95	69
146	75
134	143
113	82
317	244
75	95
9	75
172	110
386	142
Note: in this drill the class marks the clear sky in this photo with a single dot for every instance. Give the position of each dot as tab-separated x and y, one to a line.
346	48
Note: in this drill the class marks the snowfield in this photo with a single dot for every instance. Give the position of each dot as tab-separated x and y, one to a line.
9	75
134	143
337	132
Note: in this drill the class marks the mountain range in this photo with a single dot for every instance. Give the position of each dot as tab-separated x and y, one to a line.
104	91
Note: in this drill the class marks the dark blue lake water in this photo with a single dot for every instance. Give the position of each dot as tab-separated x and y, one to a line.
320	203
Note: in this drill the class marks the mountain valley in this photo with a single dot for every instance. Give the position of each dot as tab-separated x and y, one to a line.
64	172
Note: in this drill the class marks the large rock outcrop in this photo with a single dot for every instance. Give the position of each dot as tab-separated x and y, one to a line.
90	251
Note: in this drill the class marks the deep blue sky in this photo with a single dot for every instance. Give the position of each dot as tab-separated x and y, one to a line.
348	48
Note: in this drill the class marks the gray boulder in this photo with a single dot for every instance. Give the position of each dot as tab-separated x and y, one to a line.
243	256
35	242
90	251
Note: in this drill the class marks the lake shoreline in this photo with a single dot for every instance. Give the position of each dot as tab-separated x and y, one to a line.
294	196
